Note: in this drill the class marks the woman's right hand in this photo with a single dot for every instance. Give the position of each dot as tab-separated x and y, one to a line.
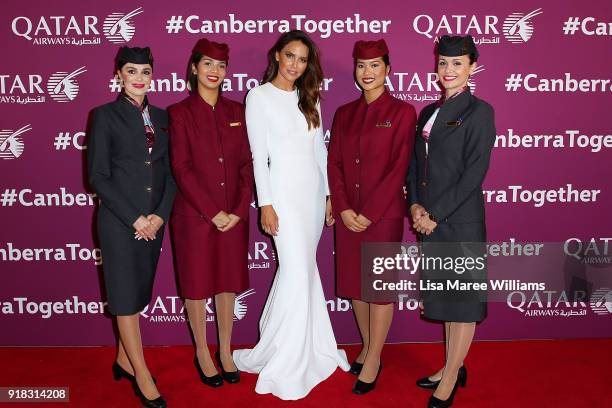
144	229
349	218
221	219
269	220
329	214
416	212
234	219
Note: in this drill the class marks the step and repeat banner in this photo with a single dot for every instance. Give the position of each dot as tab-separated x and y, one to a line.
544	66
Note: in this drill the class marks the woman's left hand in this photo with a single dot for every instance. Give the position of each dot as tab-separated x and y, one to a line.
234	219
363	220
143	229
329	215
156	221
425	225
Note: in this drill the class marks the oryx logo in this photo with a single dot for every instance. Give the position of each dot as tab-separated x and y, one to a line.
518	27
11	143
601	301
471	82
119	28
63	87
240	307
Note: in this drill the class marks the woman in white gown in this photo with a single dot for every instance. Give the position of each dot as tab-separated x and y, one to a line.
297	348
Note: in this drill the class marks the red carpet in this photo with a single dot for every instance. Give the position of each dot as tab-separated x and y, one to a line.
567	373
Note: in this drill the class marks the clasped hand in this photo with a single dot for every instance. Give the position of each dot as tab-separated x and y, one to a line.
354	222
224	221
147	227
421	221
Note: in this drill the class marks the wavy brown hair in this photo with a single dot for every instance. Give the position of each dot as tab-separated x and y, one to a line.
309	83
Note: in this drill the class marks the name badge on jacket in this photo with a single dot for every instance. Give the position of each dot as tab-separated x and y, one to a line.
234	124
385	124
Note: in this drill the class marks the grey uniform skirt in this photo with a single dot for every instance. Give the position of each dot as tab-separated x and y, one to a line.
128	264
455	241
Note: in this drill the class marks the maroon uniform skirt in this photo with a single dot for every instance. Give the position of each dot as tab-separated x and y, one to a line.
207	260
348	252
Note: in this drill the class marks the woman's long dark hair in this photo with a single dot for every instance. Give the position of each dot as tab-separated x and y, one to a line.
192	79
309	83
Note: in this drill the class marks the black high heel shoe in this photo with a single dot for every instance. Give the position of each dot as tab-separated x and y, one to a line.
119	373
231	377
361	387
212	381
435	402
158	402
426	383
356	368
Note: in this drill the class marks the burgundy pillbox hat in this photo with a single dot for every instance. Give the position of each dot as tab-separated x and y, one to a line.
370	49
212	49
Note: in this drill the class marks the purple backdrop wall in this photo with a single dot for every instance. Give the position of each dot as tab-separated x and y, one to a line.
57	66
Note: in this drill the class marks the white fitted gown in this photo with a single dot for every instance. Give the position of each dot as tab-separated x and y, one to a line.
297	348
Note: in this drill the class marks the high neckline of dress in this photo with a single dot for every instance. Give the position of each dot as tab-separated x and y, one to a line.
205	105
282	90
382	97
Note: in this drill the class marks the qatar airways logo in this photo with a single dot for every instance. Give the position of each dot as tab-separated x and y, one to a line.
549	303
261	256
471	79
118	28
171	309
25	89
601	302
517	28
595	251
240	305
63	86
418	87
11	142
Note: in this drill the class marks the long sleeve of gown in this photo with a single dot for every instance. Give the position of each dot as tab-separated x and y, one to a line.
257	127
321	151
